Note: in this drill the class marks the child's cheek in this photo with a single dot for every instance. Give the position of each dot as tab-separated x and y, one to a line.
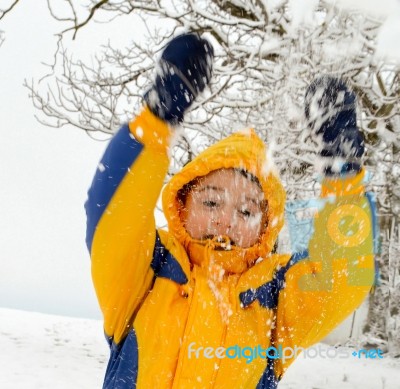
235	221
202	225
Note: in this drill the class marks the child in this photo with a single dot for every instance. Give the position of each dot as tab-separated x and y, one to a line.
203	305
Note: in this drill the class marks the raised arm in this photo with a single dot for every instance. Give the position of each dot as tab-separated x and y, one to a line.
121	230
321	287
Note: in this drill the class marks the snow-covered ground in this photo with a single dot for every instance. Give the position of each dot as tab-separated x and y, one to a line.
41	351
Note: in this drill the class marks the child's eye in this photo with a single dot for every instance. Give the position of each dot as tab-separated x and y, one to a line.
245	213
210	204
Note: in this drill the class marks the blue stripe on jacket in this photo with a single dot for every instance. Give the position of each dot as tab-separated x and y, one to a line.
122	369
165	265
268	293
267	296
268	379
119	156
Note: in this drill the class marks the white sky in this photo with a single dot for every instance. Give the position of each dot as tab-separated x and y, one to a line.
44	175
45	172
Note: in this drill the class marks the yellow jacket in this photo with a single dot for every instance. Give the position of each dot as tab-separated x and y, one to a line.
179	313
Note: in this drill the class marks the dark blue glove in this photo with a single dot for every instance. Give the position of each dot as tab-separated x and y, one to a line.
184	70
331	113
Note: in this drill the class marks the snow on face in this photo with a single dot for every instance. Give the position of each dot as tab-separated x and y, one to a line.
225	203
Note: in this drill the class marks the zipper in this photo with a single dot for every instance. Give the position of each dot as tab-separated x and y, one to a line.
193	302
218	363
231	289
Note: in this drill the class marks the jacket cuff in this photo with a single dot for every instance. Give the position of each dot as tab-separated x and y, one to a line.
151	131
344	185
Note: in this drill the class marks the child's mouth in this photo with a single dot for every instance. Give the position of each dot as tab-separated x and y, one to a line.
222	242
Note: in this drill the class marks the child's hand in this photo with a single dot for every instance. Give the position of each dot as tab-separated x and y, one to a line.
183	71
331	114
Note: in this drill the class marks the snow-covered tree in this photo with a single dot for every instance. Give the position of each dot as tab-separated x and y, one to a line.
267	52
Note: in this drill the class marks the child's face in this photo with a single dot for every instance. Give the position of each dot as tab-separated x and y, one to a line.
225	203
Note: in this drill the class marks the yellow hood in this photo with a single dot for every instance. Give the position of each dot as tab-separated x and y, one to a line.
243	150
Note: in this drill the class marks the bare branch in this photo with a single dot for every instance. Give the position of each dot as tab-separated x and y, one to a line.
92	11
4	12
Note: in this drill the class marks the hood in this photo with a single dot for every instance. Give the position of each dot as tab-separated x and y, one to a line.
242	150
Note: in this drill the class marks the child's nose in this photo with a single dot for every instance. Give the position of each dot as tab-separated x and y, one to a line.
223	222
